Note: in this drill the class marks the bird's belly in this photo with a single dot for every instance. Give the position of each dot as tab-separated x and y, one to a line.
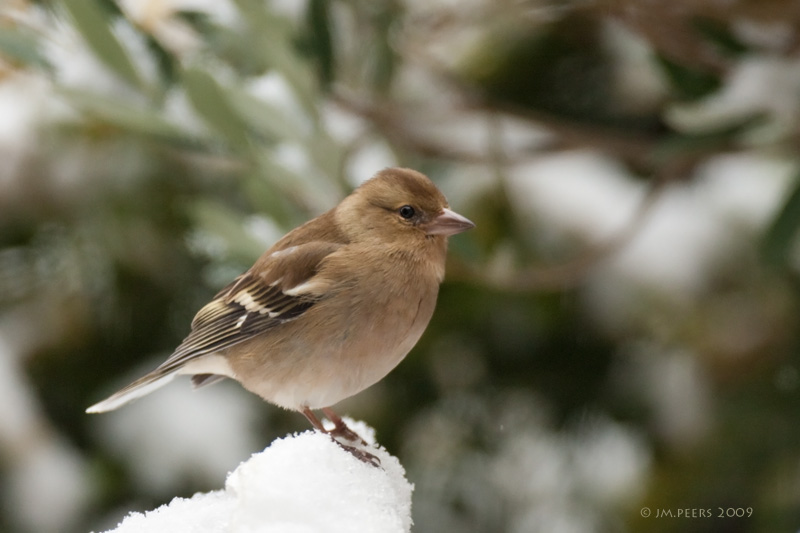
304	372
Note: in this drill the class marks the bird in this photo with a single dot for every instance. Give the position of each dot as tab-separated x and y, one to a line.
328	310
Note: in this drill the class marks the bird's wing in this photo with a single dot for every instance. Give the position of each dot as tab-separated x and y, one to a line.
280	287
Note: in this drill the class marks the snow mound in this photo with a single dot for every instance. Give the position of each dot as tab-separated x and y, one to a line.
300	484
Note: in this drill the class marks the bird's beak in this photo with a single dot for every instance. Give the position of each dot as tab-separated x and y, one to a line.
448	223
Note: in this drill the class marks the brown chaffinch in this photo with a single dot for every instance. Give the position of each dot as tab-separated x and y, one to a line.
329	309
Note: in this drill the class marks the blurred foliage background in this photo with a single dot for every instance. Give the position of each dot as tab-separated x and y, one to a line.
618	332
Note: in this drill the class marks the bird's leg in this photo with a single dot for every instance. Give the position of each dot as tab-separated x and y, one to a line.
341	430
309	414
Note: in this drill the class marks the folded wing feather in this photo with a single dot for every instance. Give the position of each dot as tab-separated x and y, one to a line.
282	288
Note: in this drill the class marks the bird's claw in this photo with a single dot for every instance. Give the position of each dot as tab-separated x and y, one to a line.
360	454
344	432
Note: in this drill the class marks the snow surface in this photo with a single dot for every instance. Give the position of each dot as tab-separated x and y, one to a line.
300	484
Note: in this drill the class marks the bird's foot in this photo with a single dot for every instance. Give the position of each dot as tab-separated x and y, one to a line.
358	453
344	432
340	429
340	432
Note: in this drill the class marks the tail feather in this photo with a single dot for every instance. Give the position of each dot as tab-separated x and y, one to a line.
201	380
140	387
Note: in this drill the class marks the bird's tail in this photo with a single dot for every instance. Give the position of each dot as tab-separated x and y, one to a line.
142	386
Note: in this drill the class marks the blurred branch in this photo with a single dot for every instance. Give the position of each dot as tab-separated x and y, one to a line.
572	272
391	124
669	26
570	135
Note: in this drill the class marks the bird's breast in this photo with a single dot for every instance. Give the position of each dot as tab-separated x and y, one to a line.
345	342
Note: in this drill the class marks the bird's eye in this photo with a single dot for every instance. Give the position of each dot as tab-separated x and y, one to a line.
407	212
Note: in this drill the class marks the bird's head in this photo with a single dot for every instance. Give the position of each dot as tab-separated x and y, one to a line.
400	204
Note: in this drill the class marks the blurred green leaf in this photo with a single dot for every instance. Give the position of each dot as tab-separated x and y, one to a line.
219	221
298	73
22	47
263	116
272	39
780	236
134	119
95	27
210	101
720	34
688	83
327	153
682	145
383	57
320	39
287	180
267	198
568	61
